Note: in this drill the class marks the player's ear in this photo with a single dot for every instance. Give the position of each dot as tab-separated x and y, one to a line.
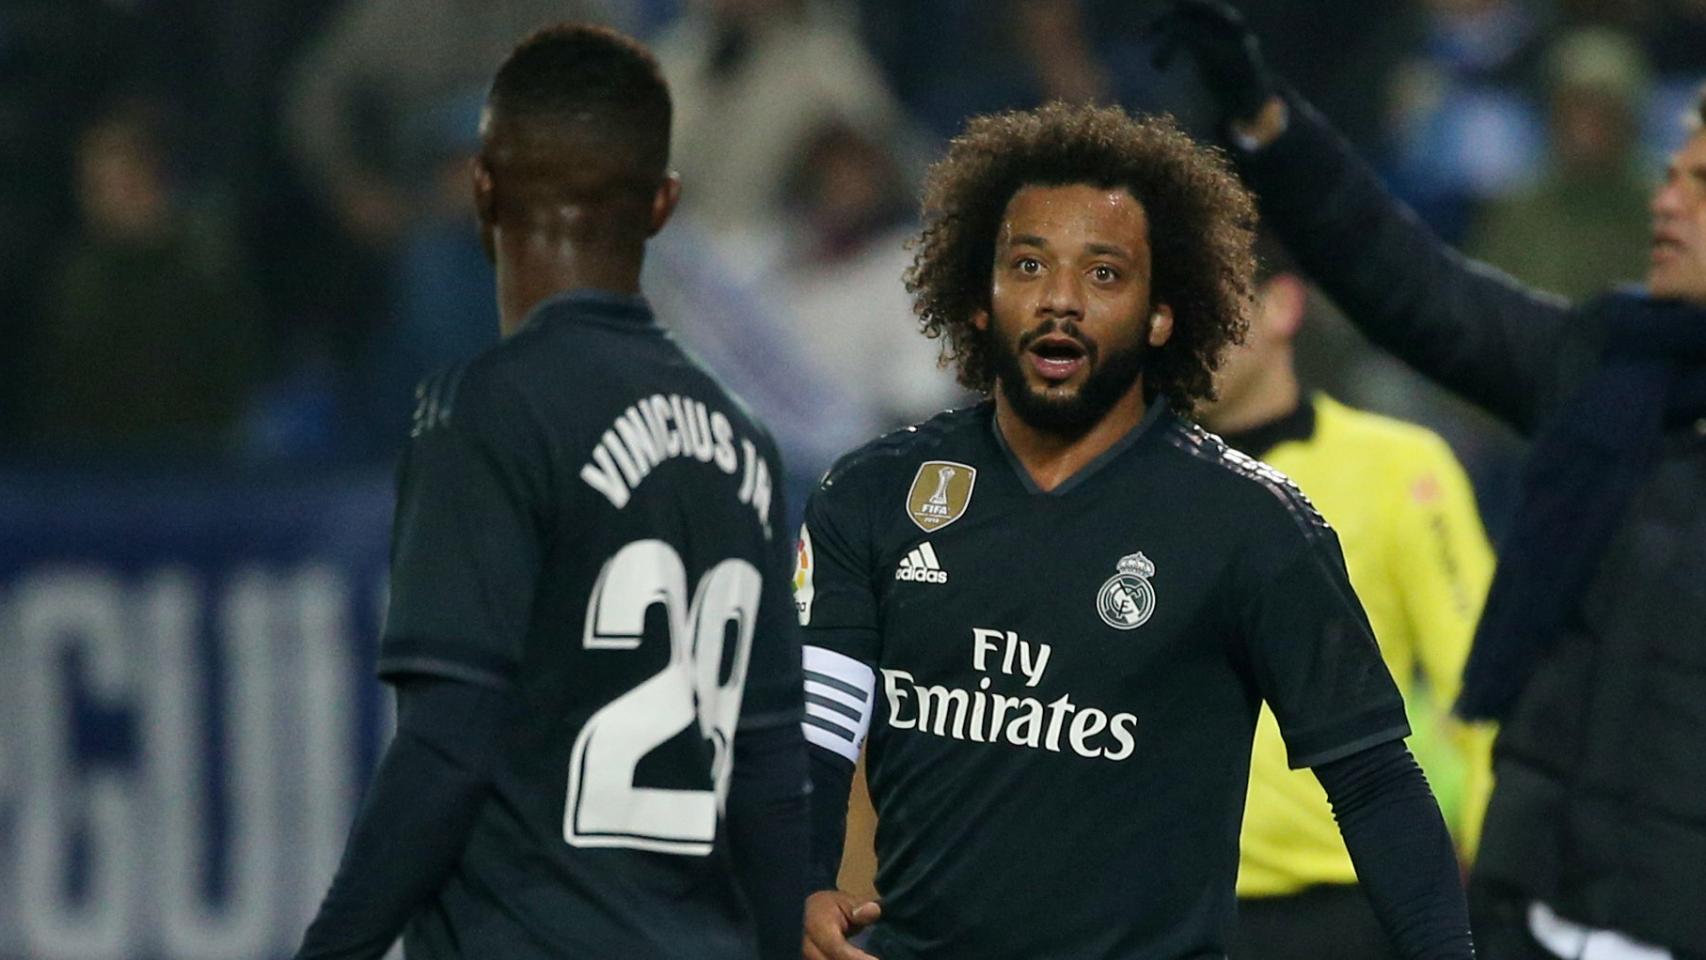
1160	325
664	202
980	319
1281	303
485	204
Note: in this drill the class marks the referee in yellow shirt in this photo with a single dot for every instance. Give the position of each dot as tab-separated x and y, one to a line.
1420	563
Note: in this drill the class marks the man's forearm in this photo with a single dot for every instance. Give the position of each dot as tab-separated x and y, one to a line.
832	782
1403	854
768	830
414	820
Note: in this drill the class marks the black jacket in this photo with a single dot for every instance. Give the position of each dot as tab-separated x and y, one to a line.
1599	807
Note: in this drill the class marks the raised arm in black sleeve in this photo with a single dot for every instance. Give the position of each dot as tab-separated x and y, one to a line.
415	818
1473	329
1402	851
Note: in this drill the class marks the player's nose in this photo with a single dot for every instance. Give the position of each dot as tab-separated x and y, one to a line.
1062	296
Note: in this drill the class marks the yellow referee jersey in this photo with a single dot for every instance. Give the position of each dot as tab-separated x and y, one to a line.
1420	562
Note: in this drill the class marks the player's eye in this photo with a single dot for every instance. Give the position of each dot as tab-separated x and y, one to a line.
1028	265
1104	274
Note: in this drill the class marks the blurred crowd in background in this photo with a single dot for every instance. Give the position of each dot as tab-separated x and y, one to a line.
240	229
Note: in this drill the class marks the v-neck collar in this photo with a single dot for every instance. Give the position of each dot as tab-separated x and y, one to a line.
1157	409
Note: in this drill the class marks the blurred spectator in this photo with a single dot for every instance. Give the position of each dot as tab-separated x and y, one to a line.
151	341
949	59
753	79
441	307
1673	31
729	315
58	58
381	63
1584	226
843	282
1465	127
1056	42
816	331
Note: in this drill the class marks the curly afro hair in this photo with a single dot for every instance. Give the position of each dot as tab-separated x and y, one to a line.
1201	229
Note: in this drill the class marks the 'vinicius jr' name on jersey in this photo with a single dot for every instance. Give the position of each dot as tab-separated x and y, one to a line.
982	716
660	428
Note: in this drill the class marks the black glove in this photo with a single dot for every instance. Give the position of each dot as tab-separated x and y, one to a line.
1227	55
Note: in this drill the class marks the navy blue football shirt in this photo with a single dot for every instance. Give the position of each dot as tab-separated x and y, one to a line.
1060	688
587	518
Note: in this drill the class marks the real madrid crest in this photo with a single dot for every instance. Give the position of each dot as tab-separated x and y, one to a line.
940	493
1127	599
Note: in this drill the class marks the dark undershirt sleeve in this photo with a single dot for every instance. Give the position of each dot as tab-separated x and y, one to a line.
1403	854
415	819
767	832
832	784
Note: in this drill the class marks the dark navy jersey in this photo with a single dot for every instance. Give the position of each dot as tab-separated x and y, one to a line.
587	518
1061	687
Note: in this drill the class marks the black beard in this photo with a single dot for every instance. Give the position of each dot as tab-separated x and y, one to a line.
1068	416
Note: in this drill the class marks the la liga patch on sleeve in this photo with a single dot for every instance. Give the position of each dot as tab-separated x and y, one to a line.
804	567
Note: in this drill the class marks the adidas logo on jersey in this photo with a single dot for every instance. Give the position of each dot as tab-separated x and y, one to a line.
921	566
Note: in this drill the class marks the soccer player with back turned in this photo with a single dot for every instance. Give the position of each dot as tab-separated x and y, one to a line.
1056	614
597	673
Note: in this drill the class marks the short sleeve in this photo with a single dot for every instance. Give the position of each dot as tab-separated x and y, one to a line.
467	540
832	580
1312	651
773	682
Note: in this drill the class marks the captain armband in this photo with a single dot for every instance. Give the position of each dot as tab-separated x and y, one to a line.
840	692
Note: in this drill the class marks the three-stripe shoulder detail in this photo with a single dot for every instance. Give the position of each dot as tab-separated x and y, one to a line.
435	399
924	435
1209	448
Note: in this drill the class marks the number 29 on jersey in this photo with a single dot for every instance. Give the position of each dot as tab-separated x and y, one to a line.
604	807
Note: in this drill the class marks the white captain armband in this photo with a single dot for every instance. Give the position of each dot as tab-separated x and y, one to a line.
840	692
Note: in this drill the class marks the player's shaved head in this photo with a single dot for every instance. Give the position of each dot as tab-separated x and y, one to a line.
573	172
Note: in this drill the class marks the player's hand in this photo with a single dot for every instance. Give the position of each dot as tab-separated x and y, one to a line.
1227	55
831	918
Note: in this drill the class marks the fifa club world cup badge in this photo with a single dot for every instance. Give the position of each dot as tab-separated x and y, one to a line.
1127	599
940	494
